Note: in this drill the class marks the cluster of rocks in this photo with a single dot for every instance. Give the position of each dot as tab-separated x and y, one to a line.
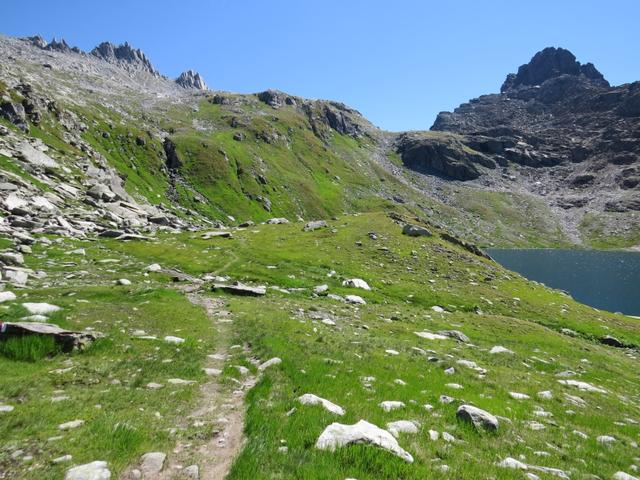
324	116
50	198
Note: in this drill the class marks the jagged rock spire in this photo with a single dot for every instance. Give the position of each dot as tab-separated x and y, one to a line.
191	79
125	56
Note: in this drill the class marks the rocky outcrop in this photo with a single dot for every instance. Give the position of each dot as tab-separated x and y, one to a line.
443	155
173	160
125	56
551	63
276	98
191	79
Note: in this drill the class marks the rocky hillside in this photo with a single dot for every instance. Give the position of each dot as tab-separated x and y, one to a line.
557	130
141	152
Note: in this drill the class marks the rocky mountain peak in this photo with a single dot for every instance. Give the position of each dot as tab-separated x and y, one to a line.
55	45
191	79
125	56
551	63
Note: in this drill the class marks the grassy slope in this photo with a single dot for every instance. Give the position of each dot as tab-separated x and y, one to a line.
280	325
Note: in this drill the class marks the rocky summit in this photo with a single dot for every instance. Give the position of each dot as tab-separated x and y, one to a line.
191	79
203	284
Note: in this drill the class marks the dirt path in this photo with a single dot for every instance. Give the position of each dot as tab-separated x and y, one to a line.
221	405
220	410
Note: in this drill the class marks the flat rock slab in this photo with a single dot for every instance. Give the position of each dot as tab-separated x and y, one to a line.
216	234
67	339
238	288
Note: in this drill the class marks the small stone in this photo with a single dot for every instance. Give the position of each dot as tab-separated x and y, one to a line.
269	363
389	405
192	472
173	340
311	399
499	349
62	459
152	463
91	471
40	308
71	425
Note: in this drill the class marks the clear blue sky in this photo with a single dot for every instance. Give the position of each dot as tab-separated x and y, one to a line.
399	62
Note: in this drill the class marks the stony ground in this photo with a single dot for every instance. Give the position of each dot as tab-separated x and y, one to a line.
439	328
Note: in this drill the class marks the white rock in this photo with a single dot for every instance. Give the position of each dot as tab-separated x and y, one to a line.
191	472
242	369
605	439
402	426
123	281
180	381
14	201
356	283
321	288
269	363
519	396
62	459
6	408
154	267
71	425
174	340
499	349
431	336
447	437
580	434
512	463
154	386
433	435
311	399
584	386
337	435
536	426
479	418
40	308
389	405
7	297
91	471
389	351
152	463
355	299
623	476
437	309
545	395
212	371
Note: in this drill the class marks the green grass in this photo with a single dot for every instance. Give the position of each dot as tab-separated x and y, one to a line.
407	276
28	348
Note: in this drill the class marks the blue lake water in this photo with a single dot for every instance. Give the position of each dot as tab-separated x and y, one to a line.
603	279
